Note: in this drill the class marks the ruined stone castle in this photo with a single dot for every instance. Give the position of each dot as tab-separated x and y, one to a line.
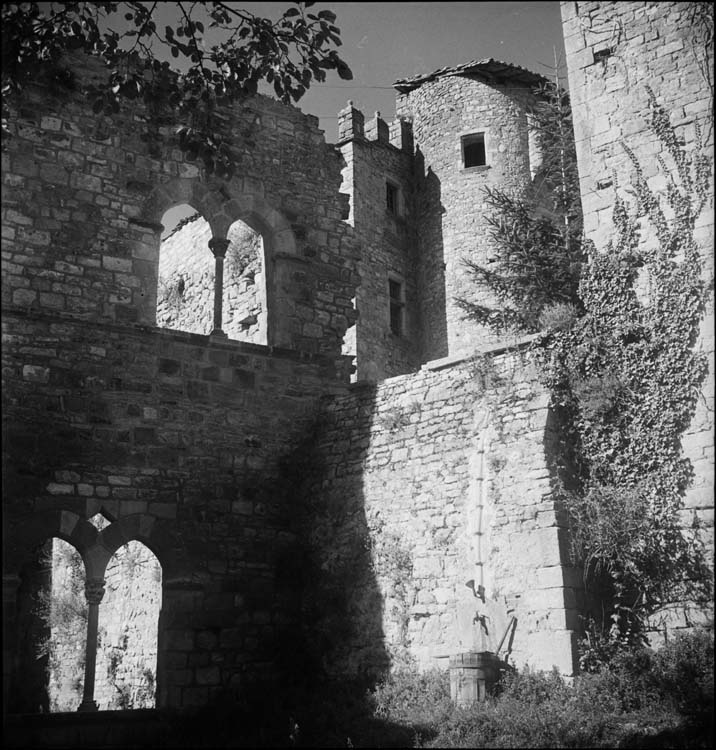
280	398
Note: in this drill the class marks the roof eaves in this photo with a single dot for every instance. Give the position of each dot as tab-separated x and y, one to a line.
489	68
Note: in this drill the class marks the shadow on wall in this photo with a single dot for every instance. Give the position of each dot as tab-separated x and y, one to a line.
332	561
330	650
31	693
431	283
328	571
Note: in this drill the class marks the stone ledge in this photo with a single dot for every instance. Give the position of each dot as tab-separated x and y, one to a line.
196	339
493	349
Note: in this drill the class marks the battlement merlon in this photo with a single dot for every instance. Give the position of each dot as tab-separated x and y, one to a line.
351	124
377	129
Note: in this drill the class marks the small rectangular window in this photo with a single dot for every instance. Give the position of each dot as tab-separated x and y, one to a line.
602	55
391	198
395	292
473	150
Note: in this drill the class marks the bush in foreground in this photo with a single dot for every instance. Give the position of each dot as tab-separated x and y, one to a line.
638	699
642	698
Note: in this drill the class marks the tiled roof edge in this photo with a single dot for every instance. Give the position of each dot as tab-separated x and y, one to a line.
488	67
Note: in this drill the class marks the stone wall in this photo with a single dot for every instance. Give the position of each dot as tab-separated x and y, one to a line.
196	445
377	154
416	482
614	50
83	200
450	205
179	438
186	282
185	437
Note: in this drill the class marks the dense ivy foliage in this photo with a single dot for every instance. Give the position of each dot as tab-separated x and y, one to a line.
629	377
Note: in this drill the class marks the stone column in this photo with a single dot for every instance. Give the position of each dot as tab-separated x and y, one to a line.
218	246
94	591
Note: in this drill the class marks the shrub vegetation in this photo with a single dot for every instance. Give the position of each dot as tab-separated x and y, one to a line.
637	698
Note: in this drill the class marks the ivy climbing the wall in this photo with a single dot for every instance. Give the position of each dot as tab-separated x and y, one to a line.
628	377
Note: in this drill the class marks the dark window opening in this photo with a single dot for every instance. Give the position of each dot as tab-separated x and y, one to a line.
391	198
602	55
473	150
395	291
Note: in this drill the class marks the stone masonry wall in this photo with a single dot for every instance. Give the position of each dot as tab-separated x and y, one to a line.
83	200
186	282
428	475
180	438
450	203
387	240
614	50
184	440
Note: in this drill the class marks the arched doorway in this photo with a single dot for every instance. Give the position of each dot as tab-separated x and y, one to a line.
126	673
60	658
245	305
51	631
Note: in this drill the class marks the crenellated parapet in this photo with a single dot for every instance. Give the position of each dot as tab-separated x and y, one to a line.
377	129
352	125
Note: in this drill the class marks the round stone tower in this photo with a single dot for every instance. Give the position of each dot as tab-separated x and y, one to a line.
471	131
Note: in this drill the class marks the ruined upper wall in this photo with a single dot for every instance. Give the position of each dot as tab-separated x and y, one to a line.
83	199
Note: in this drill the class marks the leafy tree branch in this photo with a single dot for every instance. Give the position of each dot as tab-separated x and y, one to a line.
290	54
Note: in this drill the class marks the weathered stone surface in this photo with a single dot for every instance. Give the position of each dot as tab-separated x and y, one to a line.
433	477
656	45
229	458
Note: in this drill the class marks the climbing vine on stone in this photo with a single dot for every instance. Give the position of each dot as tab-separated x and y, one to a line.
629	377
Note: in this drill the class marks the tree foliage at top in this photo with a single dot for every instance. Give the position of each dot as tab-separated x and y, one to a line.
290	54
537	234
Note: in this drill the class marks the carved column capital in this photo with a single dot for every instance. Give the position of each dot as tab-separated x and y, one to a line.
219	246
94	590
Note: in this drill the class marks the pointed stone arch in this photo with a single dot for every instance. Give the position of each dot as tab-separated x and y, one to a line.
96	549
221	205
144	528
27	535
24	628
